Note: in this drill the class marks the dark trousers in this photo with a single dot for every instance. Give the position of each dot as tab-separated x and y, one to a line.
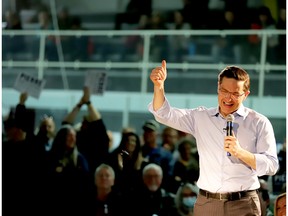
246	206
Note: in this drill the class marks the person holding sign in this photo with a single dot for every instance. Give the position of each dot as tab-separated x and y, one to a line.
22	164
228	183
92	138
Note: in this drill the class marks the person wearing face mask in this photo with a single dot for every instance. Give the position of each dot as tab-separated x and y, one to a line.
185	199
230	161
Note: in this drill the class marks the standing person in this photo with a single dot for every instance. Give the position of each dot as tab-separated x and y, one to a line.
68	180
22	164
228	183
92	137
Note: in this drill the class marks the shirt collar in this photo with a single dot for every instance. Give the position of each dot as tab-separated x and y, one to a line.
240	112
214	111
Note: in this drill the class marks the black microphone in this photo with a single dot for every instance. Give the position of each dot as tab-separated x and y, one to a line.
229	127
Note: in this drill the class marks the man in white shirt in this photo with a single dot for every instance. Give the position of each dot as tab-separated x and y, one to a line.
229	164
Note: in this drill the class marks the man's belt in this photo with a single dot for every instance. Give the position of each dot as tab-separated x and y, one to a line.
227	196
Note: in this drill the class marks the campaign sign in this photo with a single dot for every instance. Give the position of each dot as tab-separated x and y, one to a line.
29	84
96	81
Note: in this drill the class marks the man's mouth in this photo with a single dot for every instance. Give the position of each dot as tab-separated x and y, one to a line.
227	103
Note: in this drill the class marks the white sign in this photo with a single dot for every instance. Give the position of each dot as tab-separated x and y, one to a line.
96	81
31	85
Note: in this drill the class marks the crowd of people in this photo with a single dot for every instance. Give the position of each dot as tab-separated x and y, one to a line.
74	171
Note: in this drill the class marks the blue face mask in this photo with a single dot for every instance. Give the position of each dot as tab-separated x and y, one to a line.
189	201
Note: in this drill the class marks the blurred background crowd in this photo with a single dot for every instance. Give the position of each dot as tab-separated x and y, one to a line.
147	15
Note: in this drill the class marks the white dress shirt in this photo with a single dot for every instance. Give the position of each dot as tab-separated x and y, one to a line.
219	172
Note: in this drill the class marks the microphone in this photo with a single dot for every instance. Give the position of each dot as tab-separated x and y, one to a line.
229	127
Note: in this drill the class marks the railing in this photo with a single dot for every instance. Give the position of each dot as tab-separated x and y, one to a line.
113	45
194	59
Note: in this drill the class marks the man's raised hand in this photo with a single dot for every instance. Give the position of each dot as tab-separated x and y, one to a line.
159	75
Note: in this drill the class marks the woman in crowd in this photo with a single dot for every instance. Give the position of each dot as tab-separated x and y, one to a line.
68	180
127	162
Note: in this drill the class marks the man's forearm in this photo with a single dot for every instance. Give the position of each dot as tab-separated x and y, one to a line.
159	97
248	158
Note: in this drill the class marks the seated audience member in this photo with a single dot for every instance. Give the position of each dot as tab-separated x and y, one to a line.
151	198
185	199
105	199
280	205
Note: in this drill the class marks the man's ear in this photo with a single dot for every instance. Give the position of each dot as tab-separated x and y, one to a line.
246	94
